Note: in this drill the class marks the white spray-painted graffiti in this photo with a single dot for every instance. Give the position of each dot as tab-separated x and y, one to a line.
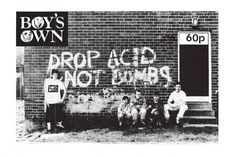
138	68
132	75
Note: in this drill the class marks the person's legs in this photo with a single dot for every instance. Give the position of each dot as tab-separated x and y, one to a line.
182	110
120	118
59	115
53	115
48	117
168	108
166	111
143	115
161	115
148	115
155	117
134	114
128	118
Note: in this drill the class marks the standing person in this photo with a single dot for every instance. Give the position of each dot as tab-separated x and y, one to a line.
155	110
176	101
124	111
138	108
54	94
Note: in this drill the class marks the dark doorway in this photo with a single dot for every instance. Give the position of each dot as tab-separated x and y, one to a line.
194	69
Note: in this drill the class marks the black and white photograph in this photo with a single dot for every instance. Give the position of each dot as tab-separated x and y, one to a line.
117	76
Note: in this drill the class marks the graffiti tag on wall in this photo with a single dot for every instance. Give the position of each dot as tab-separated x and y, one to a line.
138	67
130	75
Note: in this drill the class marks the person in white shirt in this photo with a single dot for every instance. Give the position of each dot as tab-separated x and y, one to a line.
54	94
176	101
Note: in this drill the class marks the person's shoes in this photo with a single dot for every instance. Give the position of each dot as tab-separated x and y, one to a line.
167	121
48	126
134	125
166	124
151	121
51	131
59	124
143	124
179	122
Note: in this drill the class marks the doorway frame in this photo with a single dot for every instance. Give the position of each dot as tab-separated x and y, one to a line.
198	98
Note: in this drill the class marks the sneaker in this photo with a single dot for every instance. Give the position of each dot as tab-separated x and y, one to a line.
134	125
51	131
143	123
59	124
166	123
151	120
48	126
177	120
167	120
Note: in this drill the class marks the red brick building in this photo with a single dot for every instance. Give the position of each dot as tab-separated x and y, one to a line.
121	51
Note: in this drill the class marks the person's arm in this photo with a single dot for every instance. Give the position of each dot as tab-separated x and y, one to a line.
119	109
144	103
128	109
183	98
45	106
170	99
64	91
132	103
44	91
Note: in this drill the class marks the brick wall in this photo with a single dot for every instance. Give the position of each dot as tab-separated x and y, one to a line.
107	31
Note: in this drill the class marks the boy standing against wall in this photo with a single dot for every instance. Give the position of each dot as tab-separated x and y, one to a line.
54	94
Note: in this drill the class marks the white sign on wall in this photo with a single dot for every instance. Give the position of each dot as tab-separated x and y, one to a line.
192	38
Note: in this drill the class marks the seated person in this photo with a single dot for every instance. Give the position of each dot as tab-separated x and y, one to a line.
138	108
124	111
176	101
155	110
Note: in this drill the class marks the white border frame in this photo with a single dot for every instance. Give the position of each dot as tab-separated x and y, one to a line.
199	98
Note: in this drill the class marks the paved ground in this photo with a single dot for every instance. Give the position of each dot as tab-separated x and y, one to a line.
20	119
179	135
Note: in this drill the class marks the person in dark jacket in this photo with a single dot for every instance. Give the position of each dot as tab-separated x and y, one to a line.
155	110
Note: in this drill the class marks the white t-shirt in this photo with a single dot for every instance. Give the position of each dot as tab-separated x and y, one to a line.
178	98
52	91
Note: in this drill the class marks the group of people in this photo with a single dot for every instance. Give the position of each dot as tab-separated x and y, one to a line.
131	111
153	112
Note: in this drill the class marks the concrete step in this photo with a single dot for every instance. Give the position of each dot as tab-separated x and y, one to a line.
199	105
200	120
200	126
200	112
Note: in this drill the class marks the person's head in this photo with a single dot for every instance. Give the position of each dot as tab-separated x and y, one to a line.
177	87
55	74
156	96
125	99
138	93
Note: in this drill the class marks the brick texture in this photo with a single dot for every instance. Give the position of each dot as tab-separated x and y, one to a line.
105	31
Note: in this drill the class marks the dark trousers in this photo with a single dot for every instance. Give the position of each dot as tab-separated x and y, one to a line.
158	115
54	114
